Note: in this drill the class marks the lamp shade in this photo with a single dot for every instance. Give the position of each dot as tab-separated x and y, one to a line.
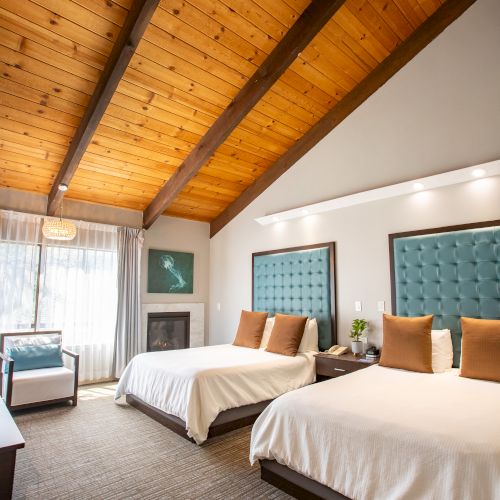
58	229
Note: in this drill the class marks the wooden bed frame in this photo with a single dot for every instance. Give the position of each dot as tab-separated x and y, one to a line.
226	421
296	484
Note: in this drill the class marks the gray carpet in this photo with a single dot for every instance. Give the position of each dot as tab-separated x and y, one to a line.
108	451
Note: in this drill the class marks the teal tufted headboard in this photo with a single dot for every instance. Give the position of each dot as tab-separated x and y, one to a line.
298	281
449	272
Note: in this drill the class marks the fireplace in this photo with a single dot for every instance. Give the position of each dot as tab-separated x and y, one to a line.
168	330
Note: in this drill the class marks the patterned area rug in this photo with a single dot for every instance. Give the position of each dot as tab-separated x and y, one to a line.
107	451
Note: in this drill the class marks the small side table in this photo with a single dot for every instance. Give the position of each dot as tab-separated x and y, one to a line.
329	366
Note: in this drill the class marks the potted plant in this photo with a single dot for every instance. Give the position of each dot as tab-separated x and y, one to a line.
357	329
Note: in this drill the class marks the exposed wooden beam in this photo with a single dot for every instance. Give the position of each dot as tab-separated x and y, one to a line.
130	35
421	37
316	15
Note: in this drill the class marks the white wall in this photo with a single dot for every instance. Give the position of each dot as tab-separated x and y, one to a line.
440	112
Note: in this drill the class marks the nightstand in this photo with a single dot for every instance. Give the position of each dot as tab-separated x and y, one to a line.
328	366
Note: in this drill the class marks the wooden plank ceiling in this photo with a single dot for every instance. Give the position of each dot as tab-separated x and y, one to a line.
191	62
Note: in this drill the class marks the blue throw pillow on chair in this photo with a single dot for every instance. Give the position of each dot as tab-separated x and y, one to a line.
33	357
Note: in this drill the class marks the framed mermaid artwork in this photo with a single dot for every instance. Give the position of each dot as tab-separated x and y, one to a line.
170	272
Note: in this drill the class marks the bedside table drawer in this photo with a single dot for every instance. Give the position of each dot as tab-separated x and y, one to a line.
336	367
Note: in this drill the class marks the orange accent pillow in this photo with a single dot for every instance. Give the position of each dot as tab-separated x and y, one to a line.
407	343
286	334
480	349
250	329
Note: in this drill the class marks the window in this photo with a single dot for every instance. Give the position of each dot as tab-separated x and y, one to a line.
19	277
68	286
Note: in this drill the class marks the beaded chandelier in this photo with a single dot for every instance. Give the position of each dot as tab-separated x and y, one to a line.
59	229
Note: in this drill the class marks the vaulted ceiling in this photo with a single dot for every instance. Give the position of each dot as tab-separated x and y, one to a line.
194	62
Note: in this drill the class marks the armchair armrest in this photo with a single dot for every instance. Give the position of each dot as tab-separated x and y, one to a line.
71	353
5	357
76	358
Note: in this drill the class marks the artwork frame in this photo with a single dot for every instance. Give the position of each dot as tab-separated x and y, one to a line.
170	271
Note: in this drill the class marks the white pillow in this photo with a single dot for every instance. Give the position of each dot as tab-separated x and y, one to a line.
267	332
442	350
309	340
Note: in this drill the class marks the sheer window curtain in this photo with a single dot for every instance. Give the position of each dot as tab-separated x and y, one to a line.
19	257
78	295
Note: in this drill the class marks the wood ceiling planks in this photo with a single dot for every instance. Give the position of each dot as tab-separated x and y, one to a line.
193	59
51	56
359	36
419	39
235	115
127	39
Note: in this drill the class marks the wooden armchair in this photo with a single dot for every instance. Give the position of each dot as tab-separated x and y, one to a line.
36	386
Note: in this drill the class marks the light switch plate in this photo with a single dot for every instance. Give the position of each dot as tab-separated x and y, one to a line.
381	306
218	306
357	306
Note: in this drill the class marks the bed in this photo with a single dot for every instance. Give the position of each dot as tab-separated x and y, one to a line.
387	433
196	385
384	433
207	391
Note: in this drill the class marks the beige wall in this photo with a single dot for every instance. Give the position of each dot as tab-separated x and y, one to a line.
440	112
22	201
169	233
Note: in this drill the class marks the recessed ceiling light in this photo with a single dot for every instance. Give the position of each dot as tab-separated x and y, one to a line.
431	182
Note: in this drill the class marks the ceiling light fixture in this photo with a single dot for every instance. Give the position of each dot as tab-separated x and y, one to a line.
432	182
59	229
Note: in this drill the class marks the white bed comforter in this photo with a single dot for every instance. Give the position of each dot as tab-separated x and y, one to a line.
382	433
197	384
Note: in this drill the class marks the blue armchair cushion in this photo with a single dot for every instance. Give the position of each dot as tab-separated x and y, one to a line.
33	357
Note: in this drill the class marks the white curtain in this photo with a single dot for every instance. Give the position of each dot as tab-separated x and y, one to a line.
76	287
19	255
78	295
128	324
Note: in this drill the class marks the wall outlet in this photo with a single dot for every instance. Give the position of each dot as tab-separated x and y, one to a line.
358	306
381	306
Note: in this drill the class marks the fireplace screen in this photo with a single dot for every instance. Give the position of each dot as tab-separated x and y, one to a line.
168	330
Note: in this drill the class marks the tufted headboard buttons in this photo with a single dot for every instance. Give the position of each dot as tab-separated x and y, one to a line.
449	272
299	281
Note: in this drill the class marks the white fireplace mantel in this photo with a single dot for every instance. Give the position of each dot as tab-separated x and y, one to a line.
196	320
